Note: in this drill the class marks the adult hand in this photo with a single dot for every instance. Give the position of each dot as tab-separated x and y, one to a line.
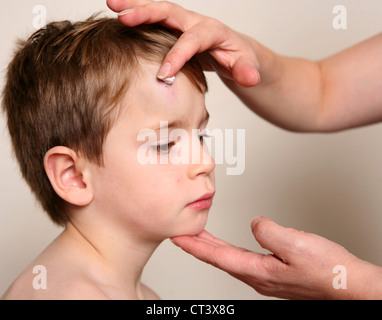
302	265
233	54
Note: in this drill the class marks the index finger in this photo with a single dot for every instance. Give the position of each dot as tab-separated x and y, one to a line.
120	5
166	13
220	254
285	243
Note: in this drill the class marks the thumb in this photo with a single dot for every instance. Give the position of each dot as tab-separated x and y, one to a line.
245	74
277	239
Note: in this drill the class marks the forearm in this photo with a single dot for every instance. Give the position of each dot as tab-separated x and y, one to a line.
337	93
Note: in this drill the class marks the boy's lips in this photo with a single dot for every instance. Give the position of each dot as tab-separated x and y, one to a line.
204	202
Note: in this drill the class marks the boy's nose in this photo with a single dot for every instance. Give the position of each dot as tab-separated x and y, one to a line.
205	165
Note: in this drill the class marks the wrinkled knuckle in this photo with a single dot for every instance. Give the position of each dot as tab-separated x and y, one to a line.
221	28
300	243
213	23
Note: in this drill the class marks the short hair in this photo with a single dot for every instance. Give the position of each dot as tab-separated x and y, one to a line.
65	85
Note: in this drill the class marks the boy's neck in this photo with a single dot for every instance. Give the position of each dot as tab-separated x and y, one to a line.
115	259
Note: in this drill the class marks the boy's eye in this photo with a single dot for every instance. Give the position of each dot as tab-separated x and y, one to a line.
165	148
203	136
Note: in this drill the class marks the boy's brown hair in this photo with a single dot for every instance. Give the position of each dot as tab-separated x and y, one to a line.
64	87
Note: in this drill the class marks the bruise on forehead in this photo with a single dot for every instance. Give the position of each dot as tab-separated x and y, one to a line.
169	88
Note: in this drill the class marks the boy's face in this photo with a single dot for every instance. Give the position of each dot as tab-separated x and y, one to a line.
152	200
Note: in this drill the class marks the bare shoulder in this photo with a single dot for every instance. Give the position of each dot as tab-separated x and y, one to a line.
82	289
29	286
21	288
55	275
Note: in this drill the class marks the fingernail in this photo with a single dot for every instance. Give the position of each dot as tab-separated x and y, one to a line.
254	223
164	71
127	11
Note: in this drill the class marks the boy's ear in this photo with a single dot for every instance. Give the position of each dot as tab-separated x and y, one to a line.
66	172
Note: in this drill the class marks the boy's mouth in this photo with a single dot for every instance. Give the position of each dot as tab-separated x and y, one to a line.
204	202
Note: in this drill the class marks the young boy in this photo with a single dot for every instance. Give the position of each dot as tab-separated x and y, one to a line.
77	97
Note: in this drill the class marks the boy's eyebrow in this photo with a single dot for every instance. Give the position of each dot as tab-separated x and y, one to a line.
181	123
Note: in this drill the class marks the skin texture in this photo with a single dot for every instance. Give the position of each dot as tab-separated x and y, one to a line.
333	94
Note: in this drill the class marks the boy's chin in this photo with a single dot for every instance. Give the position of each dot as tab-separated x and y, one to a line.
191	232
190	227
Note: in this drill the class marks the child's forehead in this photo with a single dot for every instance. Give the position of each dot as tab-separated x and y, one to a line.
152	100
149	99
149	88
